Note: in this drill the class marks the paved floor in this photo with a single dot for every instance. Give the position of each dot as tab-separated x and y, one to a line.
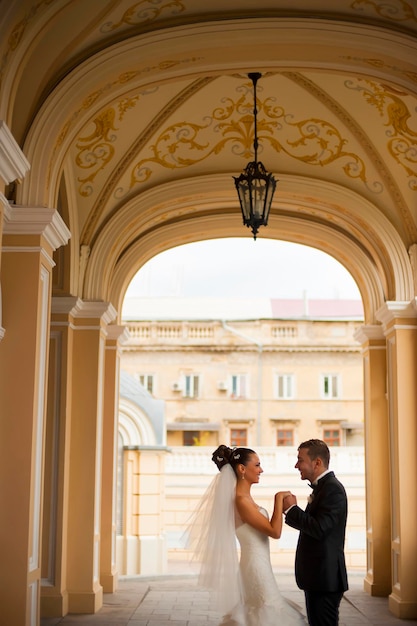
176	600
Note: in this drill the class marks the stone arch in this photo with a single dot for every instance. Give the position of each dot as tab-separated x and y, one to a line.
134	425
352	230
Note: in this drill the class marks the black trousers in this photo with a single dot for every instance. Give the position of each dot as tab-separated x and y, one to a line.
323	608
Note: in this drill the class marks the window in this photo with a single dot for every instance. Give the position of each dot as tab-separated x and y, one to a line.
331	436
238	386
191	386
238	437
285	386
285	437
330	386
190	437
146	380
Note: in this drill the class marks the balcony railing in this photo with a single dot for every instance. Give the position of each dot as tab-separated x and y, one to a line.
346	460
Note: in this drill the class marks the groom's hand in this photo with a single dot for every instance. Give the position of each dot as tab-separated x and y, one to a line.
289	501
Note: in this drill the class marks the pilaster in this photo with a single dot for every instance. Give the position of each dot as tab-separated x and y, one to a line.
85	593
54	595
400	328
116	336
144	545
29	240
378	510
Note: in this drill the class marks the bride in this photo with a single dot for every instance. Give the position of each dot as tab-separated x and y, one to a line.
246	592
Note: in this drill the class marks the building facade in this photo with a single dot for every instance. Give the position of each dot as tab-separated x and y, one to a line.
253	382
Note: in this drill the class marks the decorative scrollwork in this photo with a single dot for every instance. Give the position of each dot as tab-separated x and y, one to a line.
396	10
96	149
313	141
144	11
402	144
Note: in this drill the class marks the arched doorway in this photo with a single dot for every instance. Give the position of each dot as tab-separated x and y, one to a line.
133	131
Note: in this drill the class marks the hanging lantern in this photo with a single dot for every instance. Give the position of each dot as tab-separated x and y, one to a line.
255	187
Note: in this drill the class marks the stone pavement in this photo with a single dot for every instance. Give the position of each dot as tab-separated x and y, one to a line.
176	600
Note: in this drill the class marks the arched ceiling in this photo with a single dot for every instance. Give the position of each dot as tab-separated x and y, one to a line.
136	115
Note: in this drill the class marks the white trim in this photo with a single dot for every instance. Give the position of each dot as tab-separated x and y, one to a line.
134	425
369	332
13	163
403	327
49	578
6	206
37	249
33	602
78	309
98	470
65	305
119	332
43	221
395	309
39	417
91	310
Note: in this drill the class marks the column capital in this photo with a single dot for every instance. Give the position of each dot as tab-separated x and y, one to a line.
80	309
23	220
93	310
65	305
116	332
392	310
369	333
13	163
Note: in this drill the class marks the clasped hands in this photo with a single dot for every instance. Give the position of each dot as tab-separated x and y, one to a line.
288	499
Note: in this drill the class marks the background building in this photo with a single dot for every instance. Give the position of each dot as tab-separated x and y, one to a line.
267	383
274	380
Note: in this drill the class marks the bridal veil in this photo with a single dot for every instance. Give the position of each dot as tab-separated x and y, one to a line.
212	536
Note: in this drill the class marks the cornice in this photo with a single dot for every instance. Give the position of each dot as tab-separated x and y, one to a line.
65	306
24	220
397	310
13	163
139	348
369	333
118	333
80	309
94	310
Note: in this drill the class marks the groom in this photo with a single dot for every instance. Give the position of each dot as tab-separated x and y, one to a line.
320	568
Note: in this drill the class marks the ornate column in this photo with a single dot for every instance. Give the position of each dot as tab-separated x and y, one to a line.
85	594
400	327
30	237
378	510
116	336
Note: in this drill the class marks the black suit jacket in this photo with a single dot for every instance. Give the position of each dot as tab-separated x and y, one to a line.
320	559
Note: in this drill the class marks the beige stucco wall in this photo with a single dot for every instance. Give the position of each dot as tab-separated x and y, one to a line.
261	351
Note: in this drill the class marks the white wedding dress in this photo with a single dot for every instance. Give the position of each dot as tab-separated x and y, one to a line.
262	603
244	591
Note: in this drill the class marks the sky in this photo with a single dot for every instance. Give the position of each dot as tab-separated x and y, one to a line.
242	268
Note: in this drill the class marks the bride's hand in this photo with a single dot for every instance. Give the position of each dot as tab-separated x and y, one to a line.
282	494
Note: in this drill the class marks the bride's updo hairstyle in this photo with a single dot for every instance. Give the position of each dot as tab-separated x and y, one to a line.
224	455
